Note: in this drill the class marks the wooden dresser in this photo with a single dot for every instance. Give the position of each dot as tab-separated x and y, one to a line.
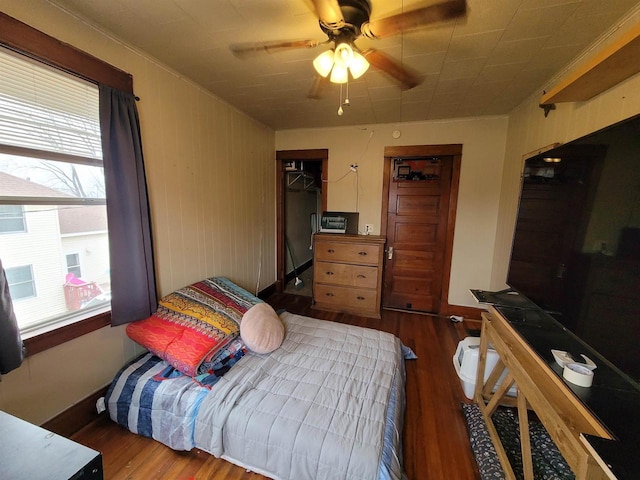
347	273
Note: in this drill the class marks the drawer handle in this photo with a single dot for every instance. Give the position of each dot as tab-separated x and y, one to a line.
362	276
331	250
329	294
360	298
362	253
329	273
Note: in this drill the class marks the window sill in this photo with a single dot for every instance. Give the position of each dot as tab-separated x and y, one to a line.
44	341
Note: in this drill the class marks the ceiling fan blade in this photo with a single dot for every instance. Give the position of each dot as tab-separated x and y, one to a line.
319	84
329	13
244	50
414	19
405	77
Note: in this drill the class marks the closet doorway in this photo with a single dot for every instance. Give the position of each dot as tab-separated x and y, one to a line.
301	197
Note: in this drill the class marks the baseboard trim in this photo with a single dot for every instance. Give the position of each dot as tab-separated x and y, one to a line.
267	291
75	417
469	313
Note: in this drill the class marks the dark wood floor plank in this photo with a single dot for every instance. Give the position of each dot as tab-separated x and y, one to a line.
435	440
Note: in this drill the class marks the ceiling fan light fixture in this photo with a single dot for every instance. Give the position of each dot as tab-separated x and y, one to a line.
339	74
340	62
323	63
343	55
359	65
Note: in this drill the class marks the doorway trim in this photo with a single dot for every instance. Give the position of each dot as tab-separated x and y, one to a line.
453	150
282	156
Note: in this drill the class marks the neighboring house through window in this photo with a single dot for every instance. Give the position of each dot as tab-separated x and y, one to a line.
52	194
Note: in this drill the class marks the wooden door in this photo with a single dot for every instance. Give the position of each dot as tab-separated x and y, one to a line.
417	224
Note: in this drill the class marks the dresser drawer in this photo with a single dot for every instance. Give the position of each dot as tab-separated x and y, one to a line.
329	251
345	297
346	275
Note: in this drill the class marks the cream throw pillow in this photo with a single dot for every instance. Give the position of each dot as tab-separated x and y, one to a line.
261	329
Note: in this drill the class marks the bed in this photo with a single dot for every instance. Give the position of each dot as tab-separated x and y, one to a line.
328	403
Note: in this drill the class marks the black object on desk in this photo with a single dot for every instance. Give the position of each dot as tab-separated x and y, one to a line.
508	297
28	452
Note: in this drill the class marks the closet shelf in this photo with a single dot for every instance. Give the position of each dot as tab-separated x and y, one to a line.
295	175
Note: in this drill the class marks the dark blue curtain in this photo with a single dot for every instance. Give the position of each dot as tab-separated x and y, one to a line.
11	352
133	284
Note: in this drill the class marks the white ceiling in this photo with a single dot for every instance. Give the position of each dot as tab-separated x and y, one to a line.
485	64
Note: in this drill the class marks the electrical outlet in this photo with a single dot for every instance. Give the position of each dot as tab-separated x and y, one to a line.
368	229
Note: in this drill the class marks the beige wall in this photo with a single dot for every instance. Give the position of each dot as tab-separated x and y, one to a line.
483	141
211	177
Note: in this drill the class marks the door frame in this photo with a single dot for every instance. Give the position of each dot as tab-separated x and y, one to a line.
453	150
282	156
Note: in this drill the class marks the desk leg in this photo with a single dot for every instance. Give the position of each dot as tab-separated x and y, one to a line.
487	409
482	363
525	439
497	445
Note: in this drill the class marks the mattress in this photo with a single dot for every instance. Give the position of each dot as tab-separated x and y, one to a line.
328	404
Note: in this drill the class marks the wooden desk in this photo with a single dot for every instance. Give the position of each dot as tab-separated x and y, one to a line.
539	388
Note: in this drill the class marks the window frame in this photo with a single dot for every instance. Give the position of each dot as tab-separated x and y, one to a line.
25	39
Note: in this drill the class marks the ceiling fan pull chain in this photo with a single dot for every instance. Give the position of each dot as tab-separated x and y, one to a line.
346	98
340	110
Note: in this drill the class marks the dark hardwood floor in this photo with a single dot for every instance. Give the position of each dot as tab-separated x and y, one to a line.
436	443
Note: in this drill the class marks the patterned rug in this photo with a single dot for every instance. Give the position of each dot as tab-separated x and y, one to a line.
548	462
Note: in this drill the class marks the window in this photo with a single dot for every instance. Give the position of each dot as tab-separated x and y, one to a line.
51	180
20	280
73	264
12	219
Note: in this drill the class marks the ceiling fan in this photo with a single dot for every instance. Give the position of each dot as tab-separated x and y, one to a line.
344	21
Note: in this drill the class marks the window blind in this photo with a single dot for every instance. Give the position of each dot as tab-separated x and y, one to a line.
43	108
